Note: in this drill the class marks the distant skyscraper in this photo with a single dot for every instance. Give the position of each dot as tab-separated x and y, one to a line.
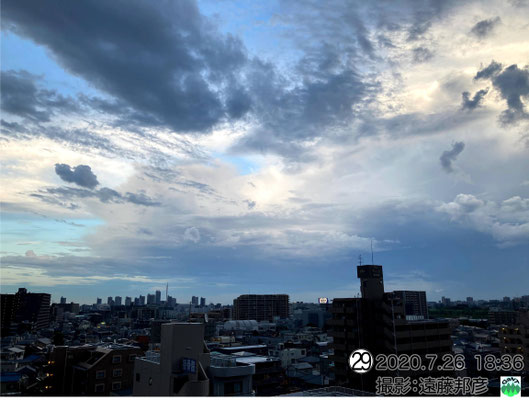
506	299
63	300
171	301
470	300
117	301
142	300
128	301
110	302
151	298
194	300
99	301
158	297
202	302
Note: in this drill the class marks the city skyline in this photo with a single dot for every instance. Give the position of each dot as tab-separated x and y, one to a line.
465	299
227	148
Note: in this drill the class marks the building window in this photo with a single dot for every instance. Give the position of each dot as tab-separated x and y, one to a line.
116	359
116	385
117	372
100	374
231	388
137	377
132	357
100	388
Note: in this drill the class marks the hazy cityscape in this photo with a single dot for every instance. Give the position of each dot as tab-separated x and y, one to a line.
264	198
262	344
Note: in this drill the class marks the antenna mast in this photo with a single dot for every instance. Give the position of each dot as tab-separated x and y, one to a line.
372	262
360	259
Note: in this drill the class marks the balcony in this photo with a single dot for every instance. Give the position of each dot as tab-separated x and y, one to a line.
231	371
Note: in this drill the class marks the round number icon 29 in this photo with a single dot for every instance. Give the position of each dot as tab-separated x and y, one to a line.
361	361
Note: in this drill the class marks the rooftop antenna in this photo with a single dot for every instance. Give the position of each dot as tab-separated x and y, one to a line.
166	291
372	262
360	259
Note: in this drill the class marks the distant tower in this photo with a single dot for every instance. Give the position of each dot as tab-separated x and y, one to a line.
63	300
371	281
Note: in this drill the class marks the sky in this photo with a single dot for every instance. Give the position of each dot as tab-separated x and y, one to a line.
231	147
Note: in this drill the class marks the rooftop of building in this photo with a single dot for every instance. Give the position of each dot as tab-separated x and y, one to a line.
256	359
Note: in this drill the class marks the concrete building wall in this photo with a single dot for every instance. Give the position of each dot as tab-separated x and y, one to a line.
165	375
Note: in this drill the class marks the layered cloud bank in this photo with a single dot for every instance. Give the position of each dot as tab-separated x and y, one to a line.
222	146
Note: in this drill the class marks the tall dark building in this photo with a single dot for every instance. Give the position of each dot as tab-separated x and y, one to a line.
158	297
194	300
378	322
261	307
151	298
514	337
202	302
7	305
24	307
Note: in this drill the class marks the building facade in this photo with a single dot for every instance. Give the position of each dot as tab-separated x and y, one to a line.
261	307
93	370
378	322
180	366
31	310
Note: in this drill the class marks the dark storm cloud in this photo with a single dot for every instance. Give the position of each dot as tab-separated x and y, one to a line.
425	13
22	97
421	54
449	156
186	76
471	104
11	127
488	72
513	84
290	114
485	27
140	199
81	175
164	61
61	195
